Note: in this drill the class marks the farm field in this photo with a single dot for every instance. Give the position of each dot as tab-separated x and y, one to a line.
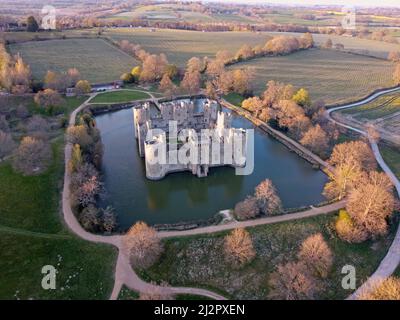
383	106
392	156
97	60
181	45
333	76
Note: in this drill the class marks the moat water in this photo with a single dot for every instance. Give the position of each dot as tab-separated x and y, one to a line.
184	197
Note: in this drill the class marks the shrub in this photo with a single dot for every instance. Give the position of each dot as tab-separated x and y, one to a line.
238	247
316	255
143	245
247	209
32	156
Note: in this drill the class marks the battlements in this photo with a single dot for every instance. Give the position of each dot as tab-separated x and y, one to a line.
196	131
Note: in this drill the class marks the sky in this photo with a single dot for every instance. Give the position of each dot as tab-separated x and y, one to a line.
369	3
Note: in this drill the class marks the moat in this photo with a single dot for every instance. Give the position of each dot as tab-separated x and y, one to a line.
184	197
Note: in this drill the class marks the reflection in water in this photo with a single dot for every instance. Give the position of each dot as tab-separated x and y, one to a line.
184	197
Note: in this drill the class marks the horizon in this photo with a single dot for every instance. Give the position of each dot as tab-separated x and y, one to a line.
311	3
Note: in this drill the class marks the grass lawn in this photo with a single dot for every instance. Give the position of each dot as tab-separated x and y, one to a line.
32	235
333	76
197	261
391	156
234	98
119	96
128	294
96	59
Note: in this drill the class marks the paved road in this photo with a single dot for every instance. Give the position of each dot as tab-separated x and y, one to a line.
392	259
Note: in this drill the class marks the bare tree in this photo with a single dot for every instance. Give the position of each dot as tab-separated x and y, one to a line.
247	209
349	160
347	230
238	247
191	82
267	198
292	281
316	139
385	289
32	156
194	65
143	244
316	255
167	86
48	98
371	202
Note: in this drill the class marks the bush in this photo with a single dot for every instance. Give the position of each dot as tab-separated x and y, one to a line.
238	247
143	245
32	156
247	209
347	230
316	255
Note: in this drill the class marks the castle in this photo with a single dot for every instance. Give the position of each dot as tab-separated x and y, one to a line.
204	125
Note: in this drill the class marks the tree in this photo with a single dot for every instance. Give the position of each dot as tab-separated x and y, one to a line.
277	91
83	87
394	56
348	160
127	77
88	191
48	98
238	247
224	56
316	139
316	255
254	104
153	67
347	230
191	82
371	202
109	220
167	86
89	218
79	135
135	73
267	198
396	74
211	91
215	68
291	116
73	76
194	65
31	24
302	98
55	81
76	158
172	71
244	53
7	144
38	127
292	281
247	209
143	245
32	156
241	81
384	289
306	41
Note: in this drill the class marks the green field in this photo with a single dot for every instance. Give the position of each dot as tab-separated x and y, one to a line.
96	59
120	96
392	157
330	75
33	235
198	261
383	106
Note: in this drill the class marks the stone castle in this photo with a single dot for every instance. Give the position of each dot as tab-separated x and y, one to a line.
188	114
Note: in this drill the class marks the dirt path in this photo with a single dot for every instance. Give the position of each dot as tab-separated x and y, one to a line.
392	259
124	273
